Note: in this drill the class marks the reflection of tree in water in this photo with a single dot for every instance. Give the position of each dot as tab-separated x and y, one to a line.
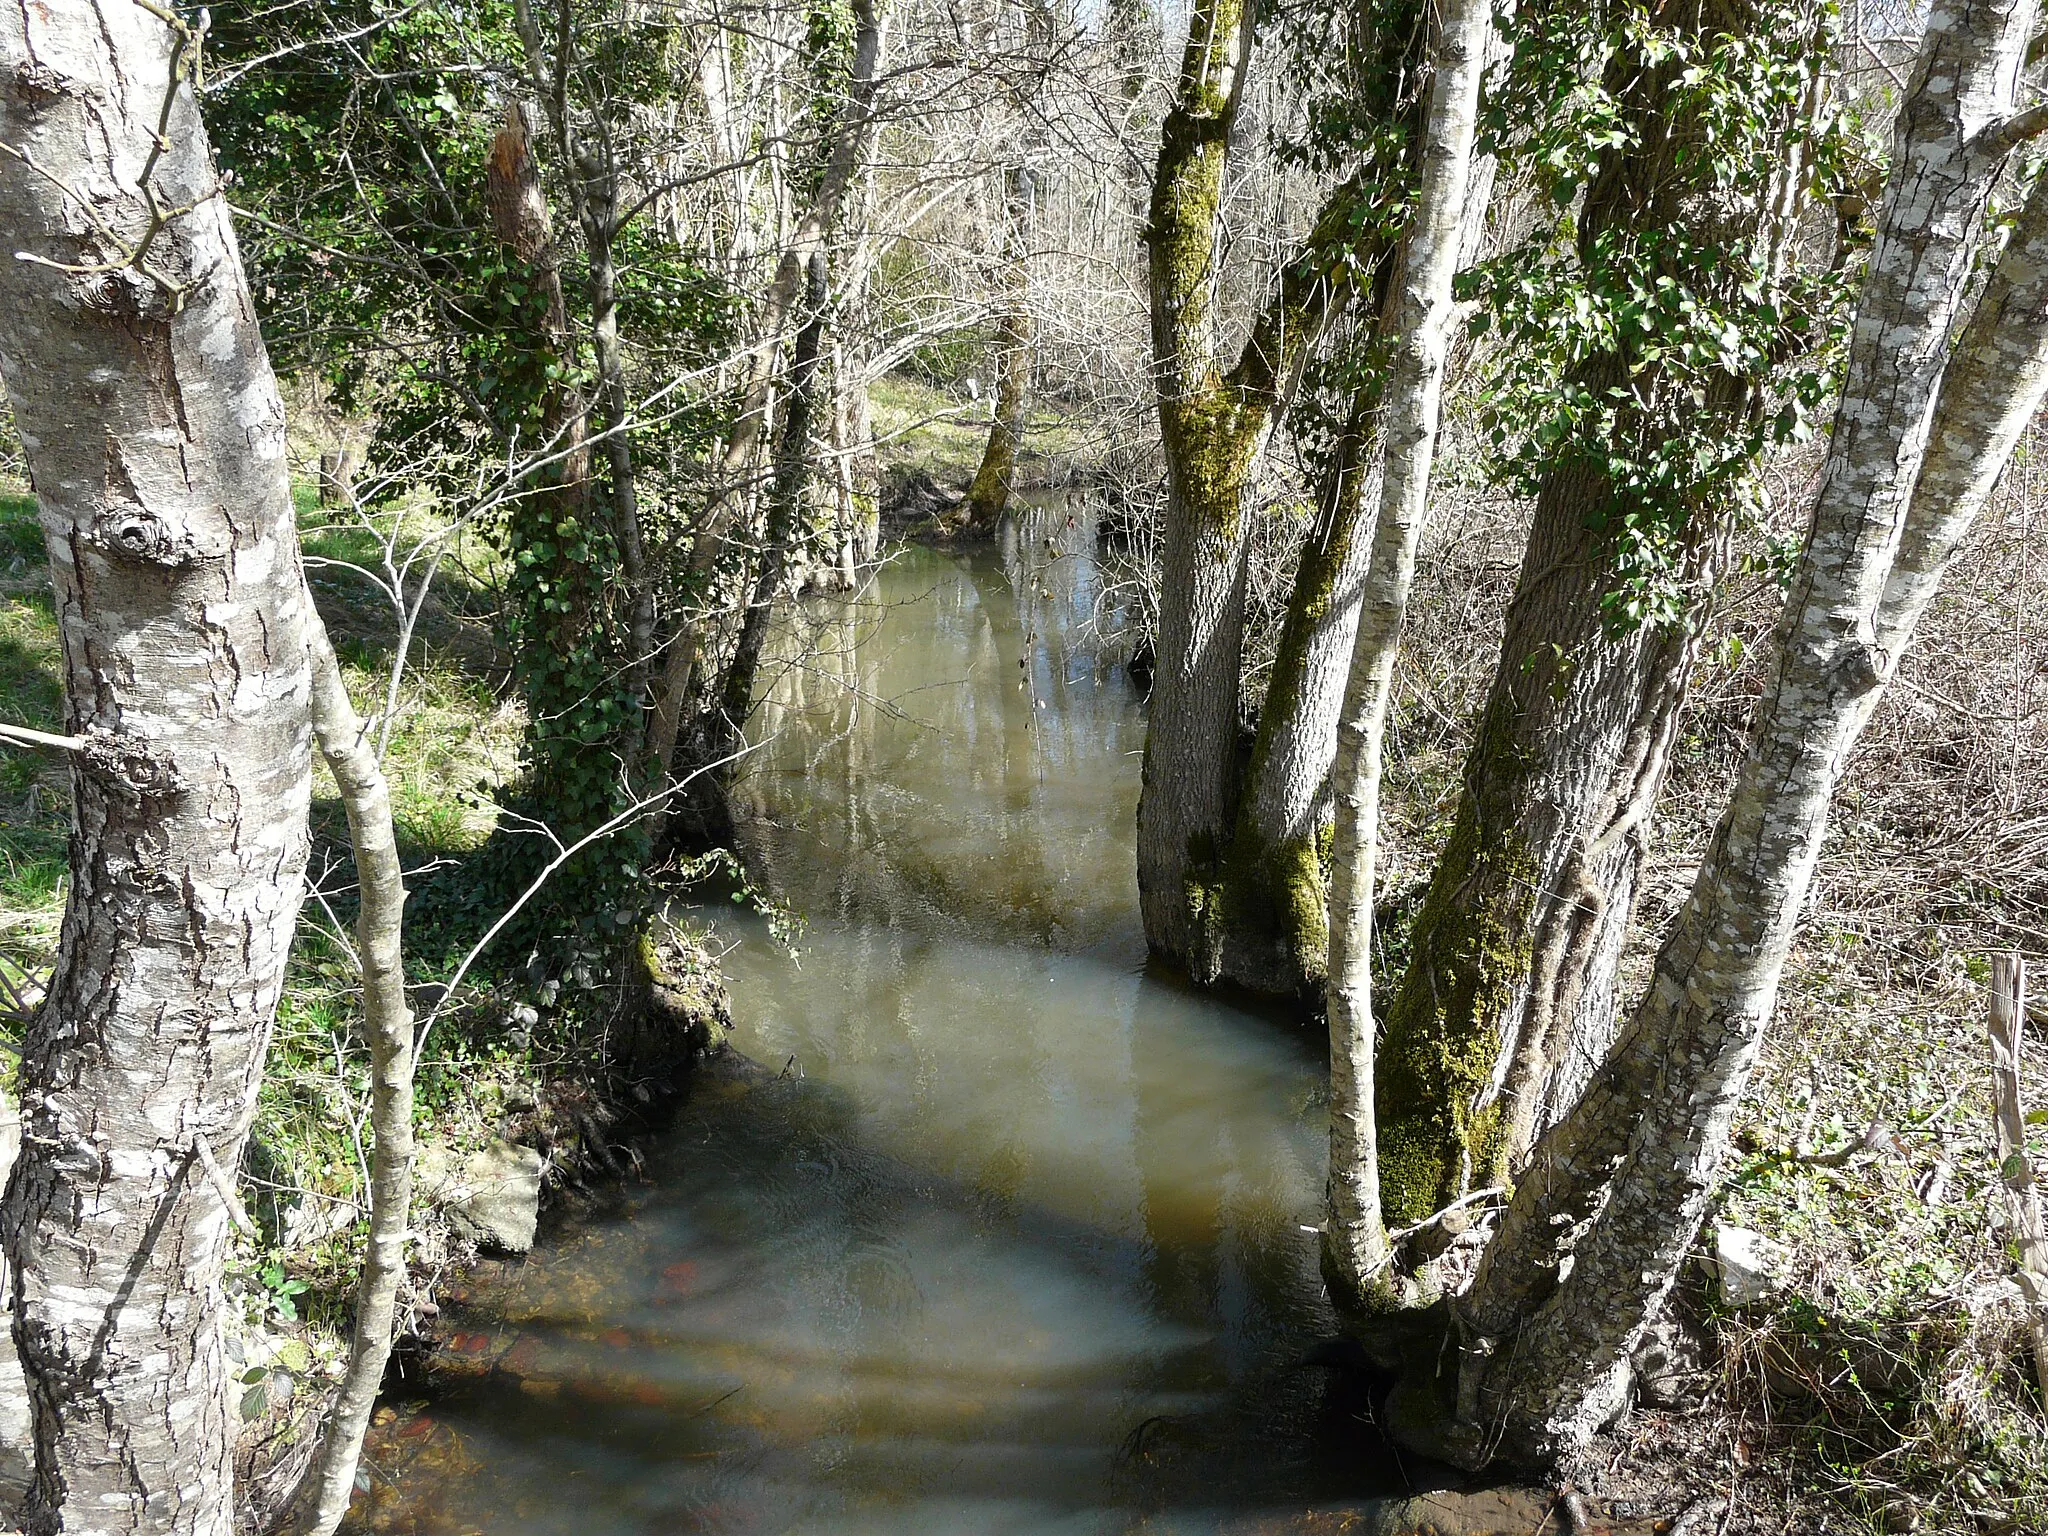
942	755
1226	1261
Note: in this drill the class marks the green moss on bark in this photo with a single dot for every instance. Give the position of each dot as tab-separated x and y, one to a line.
1440	1039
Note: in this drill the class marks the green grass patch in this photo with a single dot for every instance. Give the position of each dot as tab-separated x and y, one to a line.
34	782
939	430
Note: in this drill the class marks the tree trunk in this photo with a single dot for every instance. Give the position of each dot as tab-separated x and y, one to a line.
994	480
324	1495
558	592
1506	1004
592	180
1273	933
1355	1249
785	522
856	478
844	154
1214	428
1913	458
156	437
1211	445
1519	934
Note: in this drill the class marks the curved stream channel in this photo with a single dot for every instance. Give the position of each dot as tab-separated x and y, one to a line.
996	1230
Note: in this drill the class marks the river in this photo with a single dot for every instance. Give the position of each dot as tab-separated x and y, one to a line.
996	1228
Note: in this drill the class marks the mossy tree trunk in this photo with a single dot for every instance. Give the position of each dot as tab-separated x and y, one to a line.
1273	930
1212	440
1507	1000
994	479
1214	427
1921	438
1514	948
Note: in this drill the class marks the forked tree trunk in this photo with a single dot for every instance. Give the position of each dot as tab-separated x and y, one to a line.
1214	427
156	438
1273	930
1520	931
1506	1004
1918	444
1355	1249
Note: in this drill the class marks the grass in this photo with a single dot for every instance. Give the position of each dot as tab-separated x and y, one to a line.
1891	1376
941	431
452	745
34	787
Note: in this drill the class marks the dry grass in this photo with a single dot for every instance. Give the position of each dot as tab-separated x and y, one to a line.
1887	1389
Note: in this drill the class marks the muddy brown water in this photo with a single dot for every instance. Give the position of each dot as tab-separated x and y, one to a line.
989	1228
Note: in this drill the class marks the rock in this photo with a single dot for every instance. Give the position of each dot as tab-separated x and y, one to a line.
1750	1266
492	1195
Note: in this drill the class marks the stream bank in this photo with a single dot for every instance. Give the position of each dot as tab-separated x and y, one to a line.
981	1223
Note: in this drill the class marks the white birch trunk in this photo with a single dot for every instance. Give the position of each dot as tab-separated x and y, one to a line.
1356	1252
156	438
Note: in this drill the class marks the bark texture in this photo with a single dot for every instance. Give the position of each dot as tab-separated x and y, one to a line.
1918	443
1212	440
156	438
1214	428
1355	1247
1507	1002
387	1020
1274	931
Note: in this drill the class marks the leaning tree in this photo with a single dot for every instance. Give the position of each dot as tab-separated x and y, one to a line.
156	439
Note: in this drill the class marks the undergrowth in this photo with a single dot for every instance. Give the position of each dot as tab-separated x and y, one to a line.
496	1051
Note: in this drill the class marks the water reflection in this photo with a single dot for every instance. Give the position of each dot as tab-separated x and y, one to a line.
990	1230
